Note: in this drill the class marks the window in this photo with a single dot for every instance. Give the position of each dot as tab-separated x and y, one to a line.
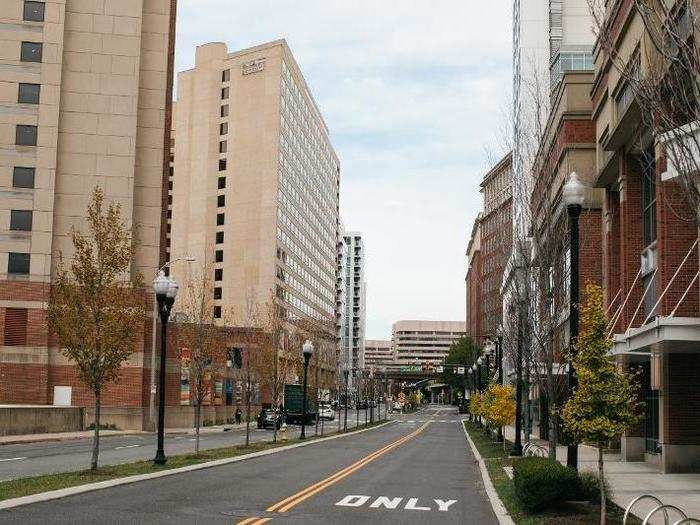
170	200
170	185
217	292
219	274
221	200
29	93
34	11
219	237
21	220
224	93
226	75
31	52
224	110
23	177
648	163
18	263
223	146
222	183
219	256
15	327
220	219
217	312
169	214
223	128
25	135
222	164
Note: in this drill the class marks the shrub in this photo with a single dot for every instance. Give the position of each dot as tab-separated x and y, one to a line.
543	482
589	489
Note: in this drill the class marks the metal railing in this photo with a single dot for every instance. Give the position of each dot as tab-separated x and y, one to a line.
660	506
533	449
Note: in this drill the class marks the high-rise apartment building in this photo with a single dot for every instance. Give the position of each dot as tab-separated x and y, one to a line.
378	354
424	343
256	184
84	96
353	332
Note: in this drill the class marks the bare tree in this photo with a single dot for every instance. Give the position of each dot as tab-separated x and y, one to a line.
200	341
96	307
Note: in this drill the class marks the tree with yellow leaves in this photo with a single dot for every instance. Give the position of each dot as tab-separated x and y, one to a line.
499	406
603	405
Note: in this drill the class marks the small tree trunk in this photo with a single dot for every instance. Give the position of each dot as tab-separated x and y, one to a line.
96	435
601	484
247	412
197	422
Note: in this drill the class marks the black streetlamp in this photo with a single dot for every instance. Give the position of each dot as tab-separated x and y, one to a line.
574	193
518	443
372	397
307	351
355	380
346	374
470	386
166	291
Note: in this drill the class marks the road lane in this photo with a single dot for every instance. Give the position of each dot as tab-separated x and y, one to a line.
432	470
33	459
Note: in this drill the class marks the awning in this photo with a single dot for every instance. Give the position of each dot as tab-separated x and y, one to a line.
663	334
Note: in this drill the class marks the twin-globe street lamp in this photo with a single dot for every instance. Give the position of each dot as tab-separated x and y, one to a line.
307	351
346	374
166	291
574	195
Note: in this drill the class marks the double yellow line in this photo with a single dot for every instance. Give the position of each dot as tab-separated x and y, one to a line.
294	500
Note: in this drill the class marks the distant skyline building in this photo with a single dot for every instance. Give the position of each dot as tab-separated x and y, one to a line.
419	343
379	353
353	331
255	192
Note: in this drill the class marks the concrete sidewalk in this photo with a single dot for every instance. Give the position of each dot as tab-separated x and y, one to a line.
631	479
87	434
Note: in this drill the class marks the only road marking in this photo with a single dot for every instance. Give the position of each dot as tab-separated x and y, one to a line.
354	500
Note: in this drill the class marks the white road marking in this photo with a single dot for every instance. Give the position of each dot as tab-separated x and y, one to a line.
356	501
13	459
126	446
445	505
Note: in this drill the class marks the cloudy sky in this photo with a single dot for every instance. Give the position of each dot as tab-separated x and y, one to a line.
412	91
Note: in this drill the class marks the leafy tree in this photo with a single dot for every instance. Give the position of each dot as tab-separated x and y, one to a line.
476	404
465	352
97	304
499	406
603	406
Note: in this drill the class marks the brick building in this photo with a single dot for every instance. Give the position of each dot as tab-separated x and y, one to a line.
650	256
85	90
474	288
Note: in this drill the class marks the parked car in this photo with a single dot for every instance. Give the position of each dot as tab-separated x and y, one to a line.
270	419
398	406
326	412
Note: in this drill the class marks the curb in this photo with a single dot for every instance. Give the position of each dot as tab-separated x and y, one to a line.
498	508
44	439
90	487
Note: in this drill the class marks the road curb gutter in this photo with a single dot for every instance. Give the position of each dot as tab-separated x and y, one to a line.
90	487
498	508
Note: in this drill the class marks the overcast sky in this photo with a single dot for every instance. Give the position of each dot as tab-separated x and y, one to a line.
412	92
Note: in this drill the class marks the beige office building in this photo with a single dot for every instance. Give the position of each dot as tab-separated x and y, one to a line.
378	354
256	183
83	103
419	343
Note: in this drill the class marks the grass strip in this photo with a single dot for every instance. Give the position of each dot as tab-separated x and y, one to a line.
20	487
569	513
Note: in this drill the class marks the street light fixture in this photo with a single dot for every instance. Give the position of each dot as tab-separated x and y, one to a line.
307	351
166	291
346	374
574	194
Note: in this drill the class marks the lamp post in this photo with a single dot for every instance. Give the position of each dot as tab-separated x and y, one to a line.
307	351
574	193
470	372
357	397
346	374
166	291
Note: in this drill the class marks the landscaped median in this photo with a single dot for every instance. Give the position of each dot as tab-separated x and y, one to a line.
534	502
52	485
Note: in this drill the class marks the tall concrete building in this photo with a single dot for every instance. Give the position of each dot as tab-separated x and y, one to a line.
379	354
353	332
84	97
424	343
256	183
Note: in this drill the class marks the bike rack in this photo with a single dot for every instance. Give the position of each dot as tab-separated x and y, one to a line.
638	499
685	521
664	507
533	449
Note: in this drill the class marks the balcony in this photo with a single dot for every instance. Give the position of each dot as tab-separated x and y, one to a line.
565	61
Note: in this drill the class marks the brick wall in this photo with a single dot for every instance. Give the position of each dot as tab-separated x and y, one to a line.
590	248
475	291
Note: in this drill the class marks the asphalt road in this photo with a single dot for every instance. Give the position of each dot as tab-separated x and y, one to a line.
415	470
33	459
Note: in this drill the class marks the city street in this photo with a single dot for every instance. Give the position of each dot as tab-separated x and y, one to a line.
33	459
416	469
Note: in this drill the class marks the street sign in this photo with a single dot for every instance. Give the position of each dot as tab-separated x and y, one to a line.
439	369
460	370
